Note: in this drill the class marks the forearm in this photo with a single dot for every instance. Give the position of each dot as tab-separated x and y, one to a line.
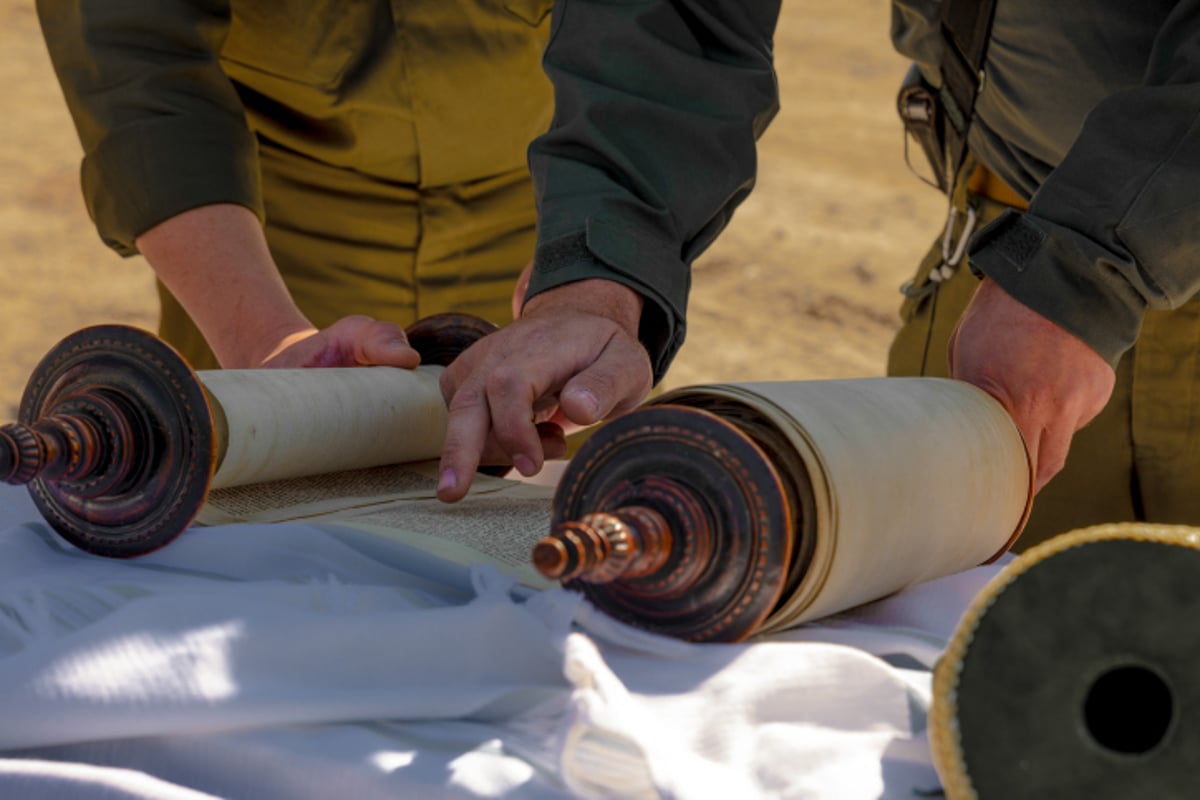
215	260
658	106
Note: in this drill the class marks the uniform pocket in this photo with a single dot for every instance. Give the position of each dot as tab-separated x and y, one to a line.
315	44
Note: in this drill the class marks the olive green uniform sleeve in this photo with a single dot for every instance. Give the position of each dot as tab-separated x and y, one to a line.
161	126
658	106
1115	228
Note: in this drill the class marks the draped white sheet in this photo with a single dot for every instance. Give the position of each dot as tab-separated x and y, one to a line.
299	661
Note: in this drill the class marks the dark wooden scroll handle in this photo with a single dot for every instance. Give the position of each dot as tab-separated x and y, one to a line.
114	439
673	520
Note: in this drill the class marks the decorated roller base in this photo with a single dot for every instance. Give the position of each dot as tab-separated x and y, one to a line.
115	439
1075	672
120	441
674	520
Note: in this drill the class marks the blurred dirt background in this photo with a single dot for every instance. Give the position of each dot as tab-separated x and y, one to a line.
802	285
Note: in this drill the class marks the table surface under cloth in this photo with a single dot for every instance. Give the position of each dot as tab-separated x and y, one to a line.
297	661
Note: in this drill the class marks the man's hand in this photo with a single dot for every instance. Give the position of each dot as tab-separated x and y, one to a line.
1049	380
356	341
572	357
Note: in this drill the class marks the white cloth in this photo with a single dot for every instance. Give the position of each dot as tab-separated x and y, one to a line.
299	661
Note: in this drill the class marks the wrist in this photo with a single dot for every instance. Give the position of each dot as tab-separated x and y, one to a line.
249	339
215	261
597	296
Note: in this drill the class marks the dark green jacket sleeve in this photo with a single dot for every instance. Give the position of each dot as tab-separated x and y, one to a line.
161	126
658	106
1115	228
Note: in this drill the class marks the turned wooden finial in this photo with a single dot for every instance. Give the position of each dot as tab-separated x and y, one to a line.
63	447
77	442
632	542
22	454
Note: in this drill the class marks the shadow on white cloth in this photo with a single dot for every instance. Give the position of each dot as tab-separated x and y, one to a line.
299	661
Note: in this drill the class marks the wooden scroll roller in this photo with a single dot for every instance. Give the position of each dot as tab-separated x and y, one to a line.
120	440
721	511
1074	672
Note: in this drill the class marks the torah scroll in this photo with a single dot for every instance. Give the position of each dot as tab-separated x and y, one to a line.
120	441
734	509
711	514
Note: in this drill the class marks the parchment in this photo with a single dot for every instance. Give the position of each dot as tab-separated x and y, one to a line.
498	522
912	479
291	422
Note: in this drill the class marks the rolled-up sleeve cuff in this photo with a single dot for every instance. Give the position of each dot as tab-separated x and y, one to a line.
144	174
607	250
1060	278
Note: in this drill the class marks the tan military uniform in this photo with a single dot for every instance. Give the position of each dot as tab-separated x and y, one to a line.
383	144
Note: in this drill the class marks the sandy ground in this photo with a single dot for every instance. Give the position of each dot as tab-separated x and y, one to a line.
803	284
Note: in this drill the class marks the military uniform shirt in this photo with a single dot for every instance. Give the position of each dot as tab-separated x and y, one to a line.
1092	111
657	109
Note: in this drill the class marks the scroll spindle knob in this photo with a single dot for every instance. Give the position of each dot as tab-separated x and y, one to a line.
67	447
630	542
22	454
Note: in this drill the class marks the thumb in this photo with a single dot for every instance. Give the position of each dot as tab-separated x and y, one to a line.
615	383
384	344
579	404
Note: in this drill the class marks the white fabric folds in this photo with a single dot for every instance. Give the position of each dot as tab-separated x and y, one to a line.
296	661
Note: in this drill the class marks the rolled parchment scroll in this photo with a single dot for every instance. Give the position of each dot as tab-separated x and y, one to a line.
721	511
120	440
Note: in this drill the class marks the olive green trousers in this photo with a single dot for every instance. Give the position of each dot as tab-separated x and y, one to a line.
1139	460
347	243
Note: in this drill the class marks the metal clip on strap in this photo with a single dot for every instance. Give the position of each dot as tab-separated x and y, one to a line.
952	251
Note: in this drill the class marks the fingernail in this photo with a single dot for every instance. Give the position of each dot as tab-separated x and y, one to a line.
448	480
589	401
524	465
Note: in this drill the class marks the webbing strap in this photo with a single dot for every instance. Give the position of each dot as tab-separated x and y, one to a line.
965	25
